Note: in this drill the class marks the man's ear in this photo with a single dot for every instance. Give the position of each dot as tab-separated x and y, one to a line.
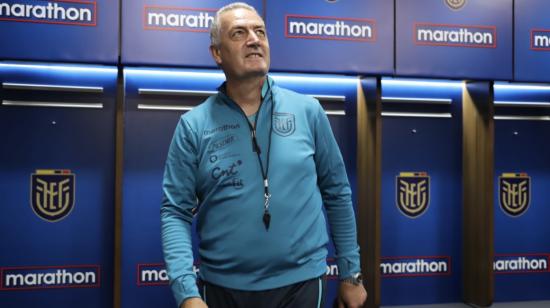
215	51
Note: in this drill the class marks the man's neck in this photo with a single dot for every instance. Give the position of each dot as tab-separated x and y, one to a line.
246	93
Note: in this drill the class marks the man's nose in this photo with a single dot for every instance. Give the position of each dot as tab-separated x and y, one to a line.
253	38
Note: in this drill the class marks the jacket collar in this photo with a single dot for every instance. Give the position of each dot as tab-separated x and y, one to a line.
266	91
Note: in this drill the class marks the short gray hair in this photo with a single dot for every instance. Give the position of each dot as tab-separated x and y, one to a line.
215	25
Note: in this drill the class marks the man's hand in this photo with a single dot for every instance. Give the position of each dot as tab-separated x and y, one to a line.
351	296
193	302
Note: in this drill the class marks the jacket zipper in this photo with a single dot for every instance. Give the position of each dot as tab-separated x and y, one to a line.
255	145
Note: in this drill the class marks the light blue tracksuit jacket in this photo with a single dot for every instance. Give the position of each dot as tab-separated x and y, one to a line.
211	163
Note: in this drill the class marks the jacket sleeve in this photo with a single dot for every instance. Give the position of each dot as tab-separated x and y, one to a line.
179	198
336	193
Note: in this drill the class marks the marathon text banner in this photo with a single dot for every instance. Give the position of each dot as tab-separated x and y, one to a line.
415	266
62	12
330	28
47	277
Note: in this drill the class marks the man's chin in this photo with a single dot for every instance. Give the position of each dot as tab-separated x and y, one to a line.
254	73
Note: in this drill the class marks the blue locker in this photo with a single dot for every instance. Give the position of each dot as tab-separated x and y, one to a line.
421	192
83	31
154	101
57	185
522	178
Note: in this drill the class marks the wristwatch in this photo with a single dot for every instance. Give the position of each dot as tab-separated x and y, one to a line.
355	279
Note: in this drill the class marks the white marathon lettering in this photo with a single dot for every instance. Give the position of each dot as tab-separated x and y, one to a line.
541	41
332	270
60	277
154	275
202	20
457	36
51	11
521	264
158	275
419	266
337	29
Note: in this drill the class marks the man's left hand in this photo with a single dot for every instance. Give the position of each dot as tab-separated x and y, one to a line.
351	296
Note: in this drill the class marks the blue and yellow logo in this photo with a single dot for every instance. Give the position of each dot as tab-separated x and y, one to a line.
413	193
455	4
52	193
514	193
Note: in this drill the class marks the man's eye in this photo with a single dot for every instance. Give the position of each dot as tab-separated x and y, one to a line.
260	33
238	34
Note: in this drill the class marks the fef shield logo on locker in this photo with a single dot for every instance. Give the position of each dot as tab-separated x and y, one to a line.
413	193
52	193
61	12
455	4
514	193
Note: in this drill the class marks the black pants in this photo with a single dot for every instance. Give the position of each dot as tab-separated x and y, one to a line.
305	294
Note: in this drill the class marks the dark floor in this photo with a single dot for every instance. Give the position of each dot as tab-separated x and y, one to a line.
537	304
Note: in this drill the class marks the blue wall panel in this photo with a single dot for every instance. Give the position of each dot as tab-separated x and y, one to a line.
532	40
472	41
60	30
331	36
170	32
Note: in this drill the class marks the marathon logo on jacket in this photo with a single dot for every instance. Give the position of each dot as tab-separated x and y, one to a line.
514	193
455	35
46	277
52	193
177	18
415	266
61	12
413	193
221	129
521	263
155	274
455	4
540	39
330	28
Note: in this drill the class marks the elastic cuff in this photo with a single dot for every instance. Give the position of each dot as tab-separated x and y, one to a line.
185	287
346	268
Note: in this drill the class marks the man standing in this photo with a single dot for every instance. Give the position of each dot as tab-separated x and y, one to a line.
258	163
